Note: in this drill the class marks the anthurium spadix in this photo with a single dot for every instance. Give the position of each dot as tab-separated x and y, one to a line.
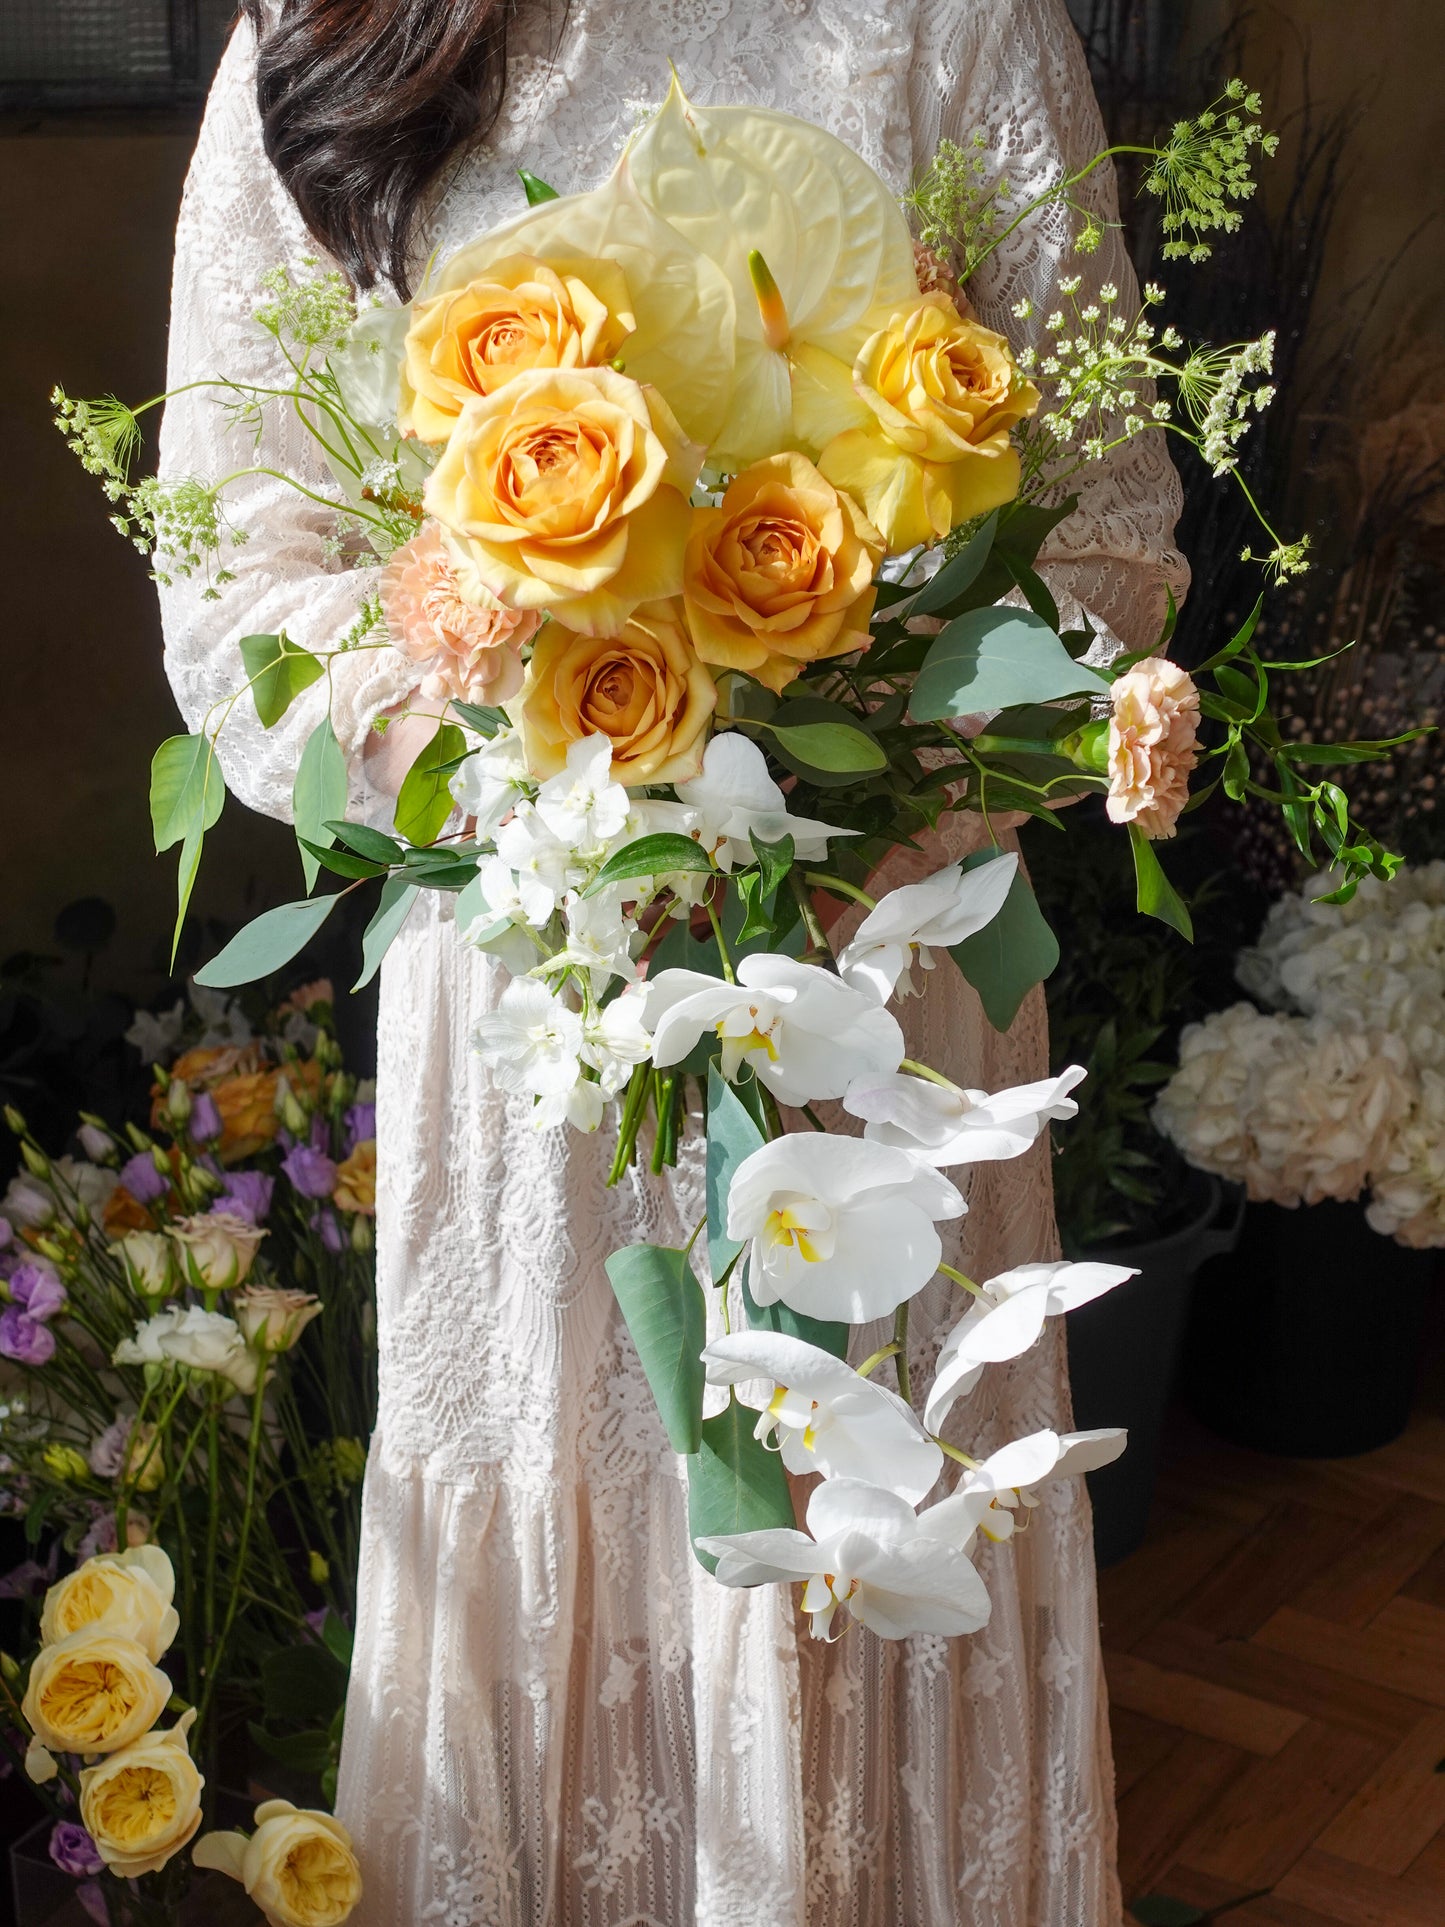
1006	1318
944	1125
838	1228
825	1417
813	245
918	918
987	1499
865	1550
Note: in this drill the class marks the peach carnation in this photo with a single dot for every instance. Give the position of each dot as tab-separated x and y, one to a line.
469	646
1151	745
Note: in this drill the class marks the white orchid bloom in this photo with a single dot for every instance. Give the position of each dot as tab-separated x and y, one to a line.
600	939
825	1417
531	1041
867	1550
987	1498
805	1033
581	1106
922	917
530	850
581	805
1006	1319
735	799
491	782
507	905
838	1228
944	1125
617	1039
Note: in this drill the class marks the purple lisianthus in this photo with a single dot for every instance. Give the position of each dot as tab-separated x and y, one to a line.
73	1850
329	1225
310	1171
7	1232
205	1120
37	1290
360	1125
247	1193
25	1339
141	1178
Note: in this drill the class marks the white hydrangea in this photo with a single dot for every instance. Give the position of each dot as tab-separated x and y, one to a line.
1408	1199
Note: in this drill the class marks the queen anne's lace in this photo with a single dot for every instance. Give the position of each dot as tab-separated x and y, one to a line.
556	1719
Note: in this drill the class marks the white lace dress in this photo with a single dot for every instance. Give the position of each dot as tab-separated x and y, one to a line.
556	1718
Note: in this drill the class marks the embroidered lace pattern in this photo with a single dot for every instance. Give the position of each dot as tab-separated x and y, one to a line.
556	1719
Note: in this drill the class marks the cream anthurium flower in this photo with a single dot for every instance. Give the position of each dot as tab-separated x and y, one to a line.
530	1042
804	1032
581	805
838	1228
867	1550
941	910
986	1499
1006	1319
943	1125
825	1417
811	241
735	798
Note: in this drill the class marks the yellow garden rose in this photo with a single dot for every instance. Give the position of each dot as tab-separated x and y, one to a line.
567	491
298	1866
517	314
124	1593
93	1692
143	1804
356	1180
780	574
644	690
934	400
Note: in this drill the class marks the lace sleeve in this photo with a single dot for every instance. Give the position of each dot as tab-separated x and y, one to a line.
237	221
1018	73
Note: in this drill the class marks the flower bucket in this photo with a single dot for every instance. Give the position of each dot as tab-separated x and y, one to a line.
1124	1350
43	1896
1306	1342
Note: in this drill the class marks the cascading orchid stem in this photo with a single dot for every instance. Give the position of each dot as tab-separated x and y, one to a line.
958	1278
824	880
900	1352
875	1359
922	1070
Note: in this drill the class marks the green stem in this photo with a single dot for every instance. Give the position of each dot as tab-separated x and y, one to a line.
959	1279
253	1453
824	880
817	939
953	1452
719	939
875	1359
900	1358
922	1070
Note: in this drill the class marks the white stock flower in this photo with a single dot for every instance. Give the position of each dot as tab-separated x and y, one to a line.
1408	1191
581	805
735	799
825	1417
838	1228
535	855
531	1041
600	939
919	918
1006	1319
943	1125
866	1550
805	1033
986	1499
491	782
617	1039
206	1341
510	905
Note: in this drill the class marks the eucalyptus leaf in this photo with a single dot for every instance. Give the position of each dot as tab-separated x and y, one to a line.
481	717
734	1483
1012	953
425	799
664	1310
392	911
366	841
838	748
958	573
732	1136
319	793
187	789
996	659
267	942
278	670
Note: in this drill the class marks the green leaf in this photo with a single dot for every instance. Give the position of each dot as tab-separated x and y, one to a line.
1035	592
1011	954
536	190
392	911
757	917
302	1683
278	670
187	789
839	748
337	1637
995	659
650	856
319	793
425	800
734	1483
1236	770
481	717
1236	644
267	942
366	842
304	1752
789	719
1358	752
1024	527
774	861
958	573
664	1309
1171	617
1156	895
342	863
731	1136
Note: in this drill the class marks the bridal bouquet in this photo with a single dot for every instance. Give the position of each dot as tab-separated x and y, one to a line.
710	515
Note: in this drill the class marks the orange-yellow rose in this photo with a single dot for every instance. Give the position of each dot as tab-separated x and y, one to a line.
515	315
644	690
934	401
780	574
567	491
356	1180
247	1109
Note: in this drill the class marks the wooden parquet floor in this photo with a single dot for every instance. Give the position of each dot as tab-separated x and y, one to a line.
1276	1662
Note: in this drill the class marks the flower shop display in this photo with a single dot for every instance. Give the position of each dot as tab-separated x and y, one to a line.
711	514
188	1346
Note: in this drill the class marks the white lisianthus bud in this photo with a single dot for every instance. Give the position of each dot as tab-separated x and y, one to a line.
148	1262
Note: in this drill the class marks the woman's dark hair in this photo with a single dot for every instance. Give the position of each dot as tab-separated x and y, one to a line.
362	102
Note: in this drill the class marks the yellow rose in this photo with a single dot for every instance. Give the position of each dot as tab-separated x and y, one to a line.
93	1692
780	574
143	1804
356	1180
298	1866
644	690
247	1109
567	491
517	314
127	1594
935	399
